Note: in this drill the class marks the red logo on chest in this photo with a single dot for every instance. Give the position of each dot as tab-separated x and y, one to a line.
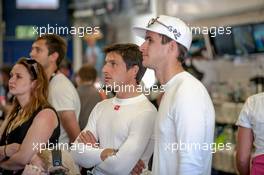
117	107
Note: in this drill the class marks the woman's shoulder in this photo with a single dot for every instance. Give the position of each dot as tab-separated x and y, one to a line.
46	113
45	108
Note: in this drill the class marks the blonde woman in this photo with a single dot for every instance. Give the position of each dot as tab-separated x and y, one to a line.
32	121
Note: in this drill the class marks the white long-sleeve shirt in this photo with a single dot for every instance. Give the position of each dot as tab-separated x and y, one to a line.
186	118
123	124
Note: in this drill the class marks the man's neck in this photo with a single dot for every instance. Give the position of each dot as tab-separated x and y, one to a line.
50	71
87	83
164	74
128	93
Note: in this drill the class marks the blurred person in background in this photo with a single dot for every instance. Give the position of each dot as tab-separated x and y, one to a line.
5	96
89	95
251	134
65	68
93	53
5	76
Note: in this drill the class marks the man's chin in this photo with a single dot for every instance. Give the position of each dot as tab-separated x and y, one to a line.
107	83
145	64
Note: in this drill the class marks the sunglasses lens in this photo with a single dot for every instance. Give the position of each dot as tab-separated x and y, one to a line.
170	28
152	21
33	66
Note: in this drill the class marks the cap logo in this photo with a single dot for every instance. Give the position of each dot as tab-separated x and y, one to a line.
170	28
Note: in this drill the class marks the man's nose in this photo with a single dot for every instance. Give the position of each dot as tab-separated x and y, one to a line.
104	69
143	46
31	54
11	80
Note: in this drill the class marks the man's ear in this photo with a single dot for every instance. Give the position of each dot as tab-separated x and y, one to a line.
54	56
135	70
173	46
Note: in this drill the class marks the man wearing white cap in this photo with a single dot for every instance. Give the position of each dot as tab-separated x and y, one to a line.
185	124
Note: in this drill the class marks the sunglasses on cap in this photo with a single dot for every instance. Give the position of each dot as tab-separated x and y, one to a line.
32	66
169	28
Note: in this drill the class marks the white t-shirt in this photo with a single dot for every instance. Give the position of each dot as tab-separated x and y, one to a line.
63	97
186	118
252	116
123	124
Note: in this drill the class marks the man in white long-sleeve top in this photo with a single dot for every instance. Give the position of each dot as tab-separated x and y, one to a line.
120	128
184	128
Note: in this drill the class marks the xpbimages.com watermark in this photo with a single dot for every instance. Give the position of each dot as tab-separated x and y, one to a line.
131	88
168	147
62	30
212	147
213	30
80	147
81	31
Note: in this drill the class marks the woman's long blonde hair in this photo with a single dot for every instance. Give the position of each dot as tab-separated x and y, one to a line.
38	98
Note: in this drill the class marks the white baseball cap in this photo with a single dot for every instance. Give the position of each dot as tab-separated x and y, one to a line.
171	27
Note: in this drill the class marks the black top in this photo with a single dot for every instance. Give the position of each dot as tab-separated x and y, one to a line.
19	133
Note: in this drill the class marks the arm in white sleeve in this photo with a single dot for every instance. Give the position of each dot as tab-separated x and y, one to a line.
62	100
244	118
148	151
190	128
132	149
85	155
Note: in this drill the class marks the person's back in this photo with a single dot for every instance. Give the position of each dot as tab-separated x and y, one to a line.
89	95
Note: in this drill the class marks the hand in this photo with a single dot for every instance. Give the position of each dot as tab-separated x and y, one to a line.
12	149
87	137
33	170
138	168
107	152
37	161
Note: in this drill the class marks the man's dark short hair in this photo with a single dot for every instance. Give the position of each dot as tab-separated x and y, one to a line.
183	51
87	73
55	43
131	55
